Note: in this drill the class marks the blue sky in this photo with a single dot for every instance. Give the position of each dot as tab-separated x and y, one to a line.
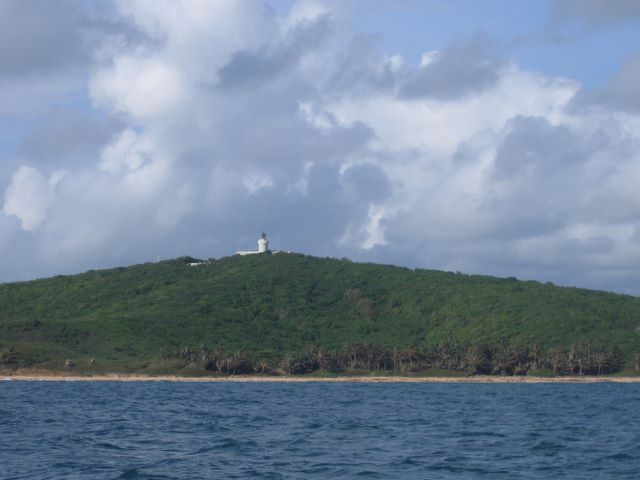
529	32
484	136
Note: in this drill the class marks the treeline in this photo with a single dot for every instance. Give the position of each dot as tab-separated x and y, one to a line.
501	359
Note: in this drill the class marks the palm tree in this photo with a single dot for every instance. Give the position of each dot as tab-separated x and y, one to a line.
187	353
241	363
504	359
220	359
574	362
357	357
322	359
588	360
477	359
409	359
8	356
288	362
382	359
448	355
521	360
396	360
601	362
261	366
557	361
537	357
207	362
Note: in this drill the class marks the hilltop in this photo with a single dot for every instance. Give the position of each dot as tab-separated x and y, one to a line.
294	312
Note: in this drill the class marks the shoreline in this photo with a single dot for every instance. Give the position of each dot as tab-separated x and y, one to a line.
116	377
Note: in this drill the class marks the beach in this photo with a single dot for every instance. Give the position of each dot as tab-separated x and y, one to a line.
118	377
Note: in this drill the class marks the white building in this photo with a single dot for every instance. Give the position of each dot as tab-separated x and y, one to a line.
263	246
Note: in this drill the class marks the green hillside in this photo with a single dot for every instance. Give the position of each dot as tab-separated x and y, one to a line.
280	311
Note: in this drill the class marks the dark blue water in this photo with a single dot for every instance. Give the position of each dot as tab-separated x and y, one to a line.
121	430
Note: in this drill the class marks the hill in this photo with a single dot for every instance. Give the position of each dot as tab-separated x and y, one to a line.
256	313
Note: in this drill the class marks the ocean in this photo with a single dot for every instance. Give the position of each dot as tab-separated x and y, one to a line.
168	430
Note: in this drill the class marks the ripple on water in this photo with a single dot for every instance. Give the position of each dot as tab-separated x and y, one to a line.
136	474
132	430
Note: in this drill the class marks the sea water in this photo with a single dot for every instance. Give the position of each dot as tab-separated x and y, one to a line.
165	430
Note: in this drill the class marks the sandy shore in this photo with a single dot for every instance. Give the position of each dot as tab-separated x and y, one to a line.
64	377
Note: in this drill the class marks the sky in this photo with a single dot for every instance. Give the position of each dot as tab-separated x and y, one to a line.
481	136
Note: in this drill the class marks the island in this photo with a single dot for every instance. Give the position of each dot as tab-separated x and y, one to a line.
291	315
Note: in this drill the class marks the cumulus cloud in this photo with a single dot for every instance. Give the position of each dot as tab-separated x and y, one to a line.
251	68
463	68
46	48
212	121
29	196
620	92
141	87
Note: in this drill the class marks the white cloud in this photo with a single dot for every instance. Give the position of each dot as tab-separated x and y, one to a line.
141	87
122	153
437	127
428	58
29	196
305	11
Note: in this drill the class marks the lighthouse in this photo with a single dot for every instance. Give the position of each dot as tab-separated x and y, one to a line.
263	243
263	246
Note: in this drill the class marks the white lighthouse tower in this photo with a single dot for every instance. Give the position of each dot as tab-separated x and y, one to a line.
263	243
263	246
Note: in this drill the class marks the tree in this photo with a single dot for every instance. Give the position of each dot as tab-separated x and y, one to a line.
557	361
8	356
537	357
477	360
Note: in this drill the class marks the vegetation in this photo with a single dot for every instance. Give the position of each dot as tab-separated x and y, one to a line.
294	314
473	359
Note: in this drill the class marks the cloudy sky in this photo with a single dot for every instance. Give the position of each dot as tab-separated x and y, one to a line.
481	136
